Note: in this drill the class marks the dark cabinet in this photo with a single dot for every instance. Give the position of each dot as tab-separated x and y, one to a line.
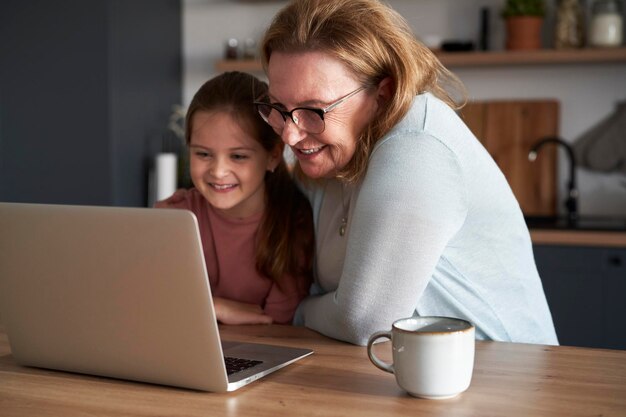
586	290
85	86
615	284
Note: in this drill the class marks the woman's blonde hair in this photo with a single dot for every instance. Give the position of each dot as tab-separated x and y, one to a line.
374	42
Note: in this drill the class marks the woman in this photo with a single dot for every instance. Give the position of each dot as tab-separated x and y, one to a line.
412	215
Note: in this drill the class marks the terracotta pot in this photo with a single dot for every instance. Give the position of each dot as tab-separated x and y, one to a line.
523	32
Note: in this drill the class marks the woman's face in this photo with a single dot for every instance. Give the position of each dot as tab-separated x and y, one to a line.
228	165
315	79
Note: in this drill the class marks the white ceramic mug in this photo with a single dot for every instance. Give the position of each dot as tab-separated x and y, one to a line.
433	357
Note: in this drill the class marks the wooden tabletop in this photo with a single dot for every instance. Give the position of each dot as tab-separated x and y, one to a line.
338	380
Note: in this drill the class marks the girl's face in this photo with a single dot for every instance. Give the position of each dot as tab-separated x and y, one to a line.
316	79
228	165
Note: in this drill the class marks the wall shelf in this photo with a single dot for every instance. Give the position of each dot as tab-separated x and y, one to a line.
540	57
244	65
486	59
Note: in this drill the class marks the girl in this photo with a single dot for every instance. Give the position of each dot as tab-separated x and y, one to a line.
256	226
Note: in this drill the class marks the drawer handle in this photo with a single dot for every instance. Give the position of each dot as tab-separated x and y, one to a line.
615	260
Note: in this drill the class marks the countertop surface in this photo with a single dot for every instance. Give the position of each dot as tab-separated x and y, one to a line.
585	231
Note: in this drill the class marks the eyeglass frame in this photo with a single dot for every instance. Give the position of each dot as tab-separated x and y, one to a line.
319	111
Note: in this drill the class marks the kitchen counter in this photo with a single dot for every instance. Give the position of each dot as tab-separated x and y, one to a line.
586	231
574	237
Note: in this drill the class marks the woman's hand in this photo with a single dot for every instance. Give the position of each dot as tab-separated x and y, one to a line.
235	312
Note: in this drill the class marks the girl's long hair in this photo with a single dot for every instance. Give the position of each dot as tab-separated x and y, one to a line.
285	239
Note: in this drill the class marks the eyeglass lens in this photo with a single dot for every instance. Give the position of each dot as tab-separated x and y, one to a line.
310	120
305	119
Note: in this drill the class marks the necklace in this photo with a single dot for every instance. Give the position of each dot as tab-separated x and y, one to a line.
344	217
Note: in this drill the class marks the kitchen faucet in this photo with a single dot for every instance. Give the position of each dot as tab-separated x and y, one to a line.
571	203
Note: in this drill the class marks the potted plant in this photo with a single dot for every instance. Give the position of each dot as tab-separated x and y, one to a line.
524	19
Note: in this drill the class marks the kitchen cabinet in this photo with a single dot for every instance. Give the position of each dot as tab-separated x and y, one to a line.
585	287
615	284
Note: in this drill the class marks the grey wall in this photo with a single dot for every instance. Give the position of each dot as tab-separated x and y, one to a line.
85	87
587	92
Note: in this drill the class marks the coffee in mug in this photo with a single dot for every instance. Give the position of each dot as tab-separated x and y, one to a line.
433	357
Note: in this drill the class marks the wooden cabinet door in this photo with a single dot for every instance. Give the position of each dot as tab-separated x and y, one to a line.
508	129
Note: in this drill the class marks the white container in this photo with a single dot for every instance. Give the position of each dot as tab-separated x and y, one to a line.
166	175
606	27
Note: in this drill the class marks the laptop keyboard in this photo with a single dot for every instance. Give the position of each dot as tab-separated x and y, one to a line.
234	365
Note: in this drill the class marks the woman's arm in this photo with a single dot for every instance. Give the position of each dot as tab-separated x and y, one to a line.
411	203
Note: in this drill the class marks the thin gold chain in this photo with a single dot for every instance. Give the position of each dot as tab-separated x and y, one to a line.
344	217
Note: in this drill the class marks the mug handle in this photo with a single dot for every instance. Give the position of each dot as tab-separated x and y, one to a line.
379	364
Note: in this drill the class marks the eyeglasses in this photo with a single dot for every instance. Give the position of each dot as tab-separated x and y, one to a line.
309	119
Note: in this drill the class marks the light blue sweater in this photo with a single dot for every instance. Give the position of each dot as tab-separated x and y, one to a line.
434	229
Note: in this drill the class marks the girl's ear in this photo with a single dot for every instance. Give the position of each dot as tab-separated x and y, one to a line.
275	156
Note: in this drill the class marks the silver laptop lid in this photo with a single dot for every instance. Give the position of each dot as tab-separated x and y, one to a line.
119	292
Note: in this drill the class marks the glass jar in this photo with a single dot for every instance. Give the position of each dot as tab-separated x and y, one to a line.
249	49
606	27
570	25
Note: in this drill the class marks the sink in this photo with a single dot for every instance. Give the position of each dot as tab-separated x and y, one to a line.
582	223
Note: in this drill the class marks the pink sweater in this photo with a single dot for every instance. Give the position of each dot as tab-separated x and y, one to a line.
229	253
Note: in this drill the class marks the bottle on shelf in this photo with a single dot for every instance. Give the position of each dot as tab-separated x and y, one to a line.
231	50
606	25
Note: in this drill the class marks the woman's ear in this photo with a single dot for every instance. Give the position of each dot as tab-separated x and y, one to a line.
385	91
275	156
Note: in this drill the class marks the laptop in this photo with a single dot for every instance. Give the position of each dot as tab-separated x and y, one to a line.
119	292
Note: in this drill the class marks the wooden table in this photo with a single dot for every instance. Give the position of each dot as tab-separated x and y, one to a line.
338	380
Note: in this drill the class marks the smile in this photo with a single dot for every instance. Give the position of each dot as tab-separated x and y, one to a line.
222	186
311	151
